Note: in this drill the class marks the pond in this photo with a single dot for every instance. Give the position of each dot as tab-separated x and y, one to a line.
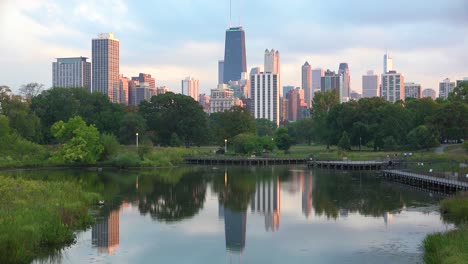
250	215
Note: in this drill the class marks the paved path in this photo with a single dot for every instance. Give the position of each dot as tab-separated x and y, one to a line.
440	149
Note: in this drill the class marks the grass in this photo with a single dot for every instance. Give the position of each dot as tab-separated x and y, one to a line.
38	217
450	247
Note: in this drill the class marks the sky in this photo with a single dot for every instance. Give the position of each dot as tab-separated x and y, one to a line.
428	39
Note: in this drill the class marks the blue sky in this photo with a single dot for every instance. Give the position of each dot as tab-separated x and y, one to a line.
428	39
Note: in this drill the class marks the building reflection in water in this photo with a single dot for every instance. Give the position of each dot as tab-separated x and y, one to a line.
306	184
234	228
267	201
106	233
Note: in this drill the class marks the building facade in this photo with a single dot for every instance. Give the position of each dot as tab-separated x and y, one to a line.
294	105
317	75
123	89
265	93
222	99
235	61
220	71
393	86
307	83
370	85
429	93
146	78
412	90
344	71
71	72
190	87
272	61
445	88
105	65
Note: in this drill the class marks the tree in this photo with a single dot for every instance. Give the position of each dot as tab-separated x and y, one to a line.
175	113
31	90
22	120
265	127
450	122
230	123
304	130
421	137
80	142
5	95
283	141
345	142
61	104
246	143
322	105
131	124
460	93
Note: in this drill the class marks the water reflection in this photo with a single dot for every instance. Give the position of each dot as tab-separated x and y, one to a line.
267	201
106	233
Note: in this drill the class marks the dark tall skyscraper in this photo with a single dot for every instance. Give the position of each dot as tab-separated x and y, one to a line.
234	55
344	71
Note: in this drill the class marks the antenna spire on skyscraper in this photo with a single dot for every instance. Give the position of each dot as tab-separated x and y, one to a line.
230	13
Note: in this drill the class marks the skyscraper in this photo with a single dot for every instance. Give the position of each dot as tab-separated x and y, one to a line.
307	83
105	56
333	81
370	85
388	63
123	89
220	71
190	87
412	90
294	105
317	75
446	87
393	86
272	59
146	78
235	61
287	89
344	71
265	91
71	72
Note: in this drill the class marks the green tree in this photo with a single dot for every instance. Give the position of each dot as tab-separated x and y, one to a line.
450	122
61	104
230	123
24	122
175	113
265	127
304	130
421	137
246	143
460	93
322	105
80	142
345	142
283	141
110	146
131	124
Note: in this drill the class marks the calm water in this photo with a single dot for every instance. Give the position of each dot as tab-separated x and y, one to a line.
250	215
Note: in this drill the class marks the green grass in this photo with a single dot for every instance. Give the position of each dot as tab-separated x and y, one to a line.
450	247
38	217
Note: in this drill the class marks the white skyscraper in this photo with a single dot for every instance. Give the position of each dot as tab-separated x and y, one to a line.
370	85
388	63
317	75
265	89
446	87
71	72
190	87
393	86
106	61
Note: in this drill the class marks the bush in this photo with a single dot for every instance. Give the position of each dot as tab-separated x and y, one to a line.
345	141
111	146
126	160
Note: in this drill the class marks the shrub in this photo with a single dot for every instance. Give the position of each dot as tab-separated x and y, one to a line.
110	144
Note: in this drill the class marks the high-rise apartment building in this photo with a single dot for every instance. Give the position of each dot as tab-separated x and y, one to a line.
388	63
412	90
71	72
265	90
143	92
235	62
105	65
307	83
294	105
344	71
222	99
287	89
220	71
146	78
317	75
123	89
370	85
445	88
429	93
393	86
190	87
333	81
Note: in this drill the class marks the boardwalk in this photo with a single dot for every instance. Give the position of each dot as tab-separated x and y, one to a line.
244	161
441	185
349	165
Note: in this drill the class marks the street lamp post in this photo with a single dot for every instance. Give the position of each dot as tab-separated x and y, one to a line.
225	145
136	139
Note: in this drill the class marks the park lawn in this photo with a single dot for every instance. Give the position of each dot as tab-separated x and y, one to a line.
37	217
452	246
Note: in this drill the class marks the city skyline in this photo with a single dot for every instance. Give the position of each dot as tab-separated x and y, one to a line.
64	30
